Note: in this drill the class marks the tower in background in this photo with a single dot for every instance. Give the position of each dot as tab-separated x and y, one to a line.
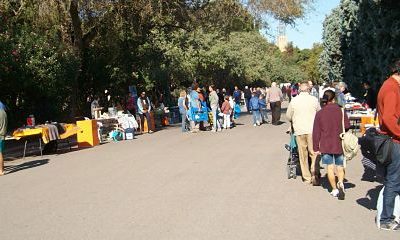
281	38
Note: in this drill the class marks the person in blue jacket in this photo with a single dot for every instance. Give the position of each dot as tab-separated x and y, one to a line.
254	105
263	109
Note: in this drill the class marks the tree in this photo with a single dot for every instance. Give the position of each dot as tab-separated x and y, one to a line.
361	40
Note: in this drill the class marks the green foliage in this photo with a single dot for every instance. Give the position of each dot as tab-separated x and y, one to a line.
361	41
56	55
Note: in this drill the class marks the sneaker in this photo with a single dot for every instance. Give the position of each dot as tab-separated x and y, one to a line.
255	125
396	226
341	190
335	193
388	226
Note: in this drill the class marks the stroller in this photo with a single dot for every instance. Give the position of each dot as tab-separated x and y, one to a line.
293	160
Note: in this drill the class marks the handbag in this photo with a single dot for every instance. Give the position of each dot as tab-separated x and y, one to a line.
349	142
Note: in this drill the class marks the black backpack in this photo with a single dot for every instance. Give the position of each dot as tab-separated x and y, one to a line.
376	147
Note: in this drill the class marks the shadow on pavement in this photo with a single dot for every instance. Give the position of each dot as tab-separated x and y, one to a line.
24	166
370	199
325	184
279	123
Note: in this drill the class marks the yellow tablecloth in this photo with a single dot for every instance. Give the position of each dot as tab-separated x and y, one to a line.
70	130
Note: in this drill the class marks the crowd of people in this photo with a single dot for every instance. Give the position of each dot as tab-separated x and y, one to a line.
318	121
223	108
199	107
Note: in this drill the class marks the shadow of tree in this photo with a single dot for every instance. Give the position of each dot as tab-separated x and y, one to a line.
24	166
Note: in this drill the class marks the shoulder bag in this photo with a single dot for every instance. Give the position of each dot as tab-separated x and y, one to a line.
349	142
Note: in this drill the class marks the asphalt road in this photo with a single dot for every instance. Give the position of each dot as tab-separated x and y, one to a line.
168	185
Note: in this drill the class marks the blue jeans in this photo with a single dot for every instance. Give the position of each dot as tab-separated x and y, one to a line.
256	116
183	115
264	116
392	185
216	123
329	159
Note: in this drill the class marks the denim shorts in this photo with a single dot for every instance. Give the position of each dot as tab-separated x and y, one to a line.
336	159
1	146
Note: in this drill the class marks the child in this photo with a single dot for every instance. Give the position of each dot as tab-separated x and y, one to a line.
255	108
226	110
263	109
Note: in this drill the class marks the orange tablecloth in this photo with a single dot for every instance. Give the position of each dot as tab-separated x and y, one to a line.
70	130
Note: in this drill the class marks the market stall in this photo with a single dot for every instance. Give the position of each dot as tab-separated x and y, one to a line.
360	117
48	133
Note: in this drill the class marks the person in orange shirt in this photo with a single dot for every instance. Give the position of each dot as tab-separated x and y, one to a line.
388	106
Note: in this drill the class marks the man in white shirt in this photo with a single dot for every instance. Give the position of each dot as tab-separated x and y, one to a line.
301	113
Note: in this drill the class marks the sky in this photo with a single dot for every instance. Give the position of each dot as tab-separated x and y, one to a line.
308	31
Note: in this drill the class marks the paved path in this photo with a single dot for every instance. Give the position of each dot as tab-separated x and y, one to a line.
169	185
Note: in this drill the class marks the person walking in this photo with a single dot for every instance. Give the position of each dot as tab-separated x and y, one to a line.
144	108
237	95
283	89
263	109
313	90
301	113
247	96
214	100
340	92
226	110
3	132
388	106
255	109
183	109
327	143
289	92
274	99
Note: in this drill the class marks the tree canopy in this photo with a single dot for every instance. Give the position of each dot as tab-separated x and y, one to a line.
361	41
55	56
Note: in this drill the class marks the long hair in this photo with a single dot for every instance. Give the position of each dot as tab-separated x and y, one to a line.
329	96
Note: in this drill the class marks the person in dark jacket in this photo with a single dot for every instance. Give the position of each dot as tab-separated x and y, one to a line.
327	143
237	95
263	109
369	96
247	96
255	108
